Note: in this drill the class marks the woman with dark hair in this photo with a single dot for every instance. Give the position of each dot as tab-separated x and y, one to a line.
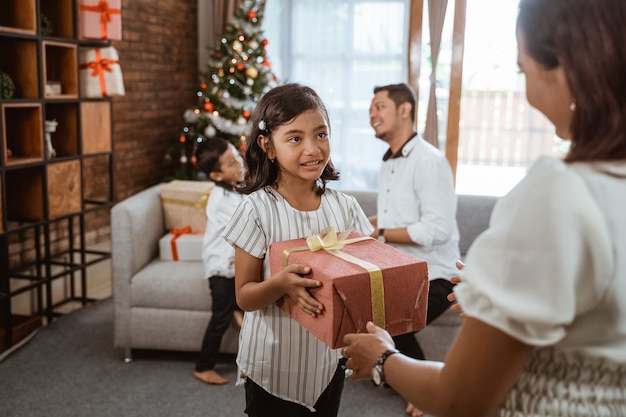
543	287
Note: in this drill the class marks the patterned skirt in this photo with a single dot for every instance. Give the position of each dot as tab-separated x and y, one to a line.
559	384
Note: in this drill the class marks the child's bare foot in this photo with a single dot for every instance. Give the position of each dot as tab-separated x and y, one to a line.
412	411
210	377
238	318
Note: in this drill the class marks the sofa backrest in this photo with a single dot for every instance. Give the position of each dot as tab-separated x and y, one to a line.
472	214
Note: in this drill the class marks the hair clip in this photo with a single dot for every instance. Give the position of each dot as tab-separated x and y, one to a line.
262	125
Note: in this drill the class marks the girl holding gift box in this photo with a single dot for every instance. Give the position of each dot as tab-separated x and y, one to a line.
286	370
222	163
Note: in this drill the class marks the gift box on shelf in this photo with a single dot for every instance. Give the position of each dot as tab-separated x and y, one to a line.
100	19
362	280
184	204
100	73
181	245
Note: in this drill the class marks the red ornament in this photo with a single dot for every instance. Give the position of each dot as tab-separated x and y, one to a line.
266	63
242	147
203	86
264	42
251	14
194	160
246	114
182	139
240	66
208	106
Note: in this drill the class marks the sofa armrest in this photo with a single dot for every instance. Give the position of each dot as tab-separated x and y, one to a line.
136	227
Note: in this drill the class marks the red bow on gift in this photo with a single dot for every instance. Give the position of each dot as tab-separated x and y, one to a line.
105	14
99	66
178	233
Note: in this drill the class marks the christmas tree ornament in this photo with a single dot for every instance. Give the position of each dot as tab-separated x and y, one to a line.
208	106
252	72
210	131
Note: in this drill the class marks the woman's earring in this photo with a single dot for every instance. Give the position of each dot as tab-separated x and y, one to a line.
572	105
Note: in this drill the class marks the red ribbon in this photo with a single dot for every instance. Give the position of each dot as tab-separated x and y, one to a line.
105	14
99	66
178	233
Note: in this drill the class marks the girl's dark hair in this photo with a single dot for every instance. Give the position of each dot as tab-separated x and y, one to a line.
399	93
208	154
587	38
280	106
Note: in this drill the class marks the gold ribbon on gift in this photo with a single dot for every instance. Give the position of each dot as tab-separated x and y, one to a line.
99	66
105	14
331	242
196	204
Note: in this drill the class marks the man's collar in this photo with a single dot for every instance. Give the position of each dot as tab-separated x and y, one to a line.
398	154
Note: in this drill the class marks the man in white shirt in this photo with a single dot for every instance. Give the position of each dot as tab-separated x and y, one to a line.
416	201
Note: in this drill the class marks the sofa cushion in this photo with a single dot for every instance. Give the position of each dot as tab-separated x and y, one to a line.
171	285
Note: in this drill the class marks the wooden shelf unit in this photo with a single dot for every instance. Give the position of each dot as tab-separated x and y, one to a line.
43	197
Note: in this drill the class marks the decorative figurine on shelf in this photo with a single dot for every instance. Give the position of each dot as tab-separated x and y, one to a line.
7	87
51	127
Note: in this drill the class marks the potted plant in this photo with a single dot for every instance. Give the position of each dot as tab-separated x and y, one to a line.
7	87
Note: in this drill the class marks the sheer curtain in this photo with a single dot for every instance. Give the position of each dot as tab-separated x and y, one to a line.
342	49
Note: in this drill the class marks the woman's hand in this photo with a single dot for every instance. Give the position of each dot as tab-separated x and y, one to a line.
363	349
451	297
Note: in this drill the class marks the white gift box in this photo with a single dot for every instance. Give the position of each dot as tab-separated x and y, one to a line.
181	247
100	73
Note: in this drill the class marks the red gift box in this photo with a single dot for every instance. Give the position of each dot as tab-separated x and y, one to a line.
100	19
362	280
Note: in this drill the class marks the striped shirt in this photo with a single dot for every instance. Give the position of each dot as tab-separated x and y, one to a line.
275	351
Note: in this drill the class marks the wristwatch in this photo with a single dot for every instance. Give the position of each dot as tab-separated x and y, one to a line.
381	235
377	370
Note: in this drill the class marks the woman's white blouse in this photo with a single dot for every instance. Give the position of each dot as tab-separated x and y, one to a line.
551	268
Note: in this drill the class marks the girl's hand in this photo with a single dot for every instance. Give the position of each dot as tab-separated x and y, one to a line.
296	286
363	349
451	297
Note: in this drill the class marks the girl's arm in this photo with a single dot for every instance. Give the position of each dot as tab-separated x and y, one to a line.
254	294
478	372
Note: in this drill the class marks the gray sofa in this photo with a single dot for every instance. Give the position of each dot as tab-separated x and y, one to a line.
166	305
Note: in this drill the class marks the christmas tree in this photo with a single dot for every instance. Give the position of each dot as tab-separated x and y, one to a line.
238	74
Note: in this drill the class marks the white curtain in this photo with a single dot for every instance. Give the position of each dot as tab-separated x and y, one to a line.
436	18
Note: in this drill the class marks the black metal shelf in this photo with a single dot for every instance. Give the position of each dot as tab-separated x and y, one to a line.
54	258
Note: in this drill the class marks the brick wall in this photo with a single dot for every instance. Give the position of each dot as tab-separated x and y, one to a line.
159	59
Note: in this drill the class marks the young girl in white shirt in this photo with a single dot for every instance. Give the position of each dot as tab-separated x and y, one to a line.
287	371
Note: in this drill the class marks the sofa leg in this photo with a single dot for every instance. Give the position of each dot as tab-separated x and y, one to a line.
128	357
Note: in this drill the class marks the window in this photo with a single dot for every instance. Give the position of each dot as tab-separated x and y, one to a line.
342	49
